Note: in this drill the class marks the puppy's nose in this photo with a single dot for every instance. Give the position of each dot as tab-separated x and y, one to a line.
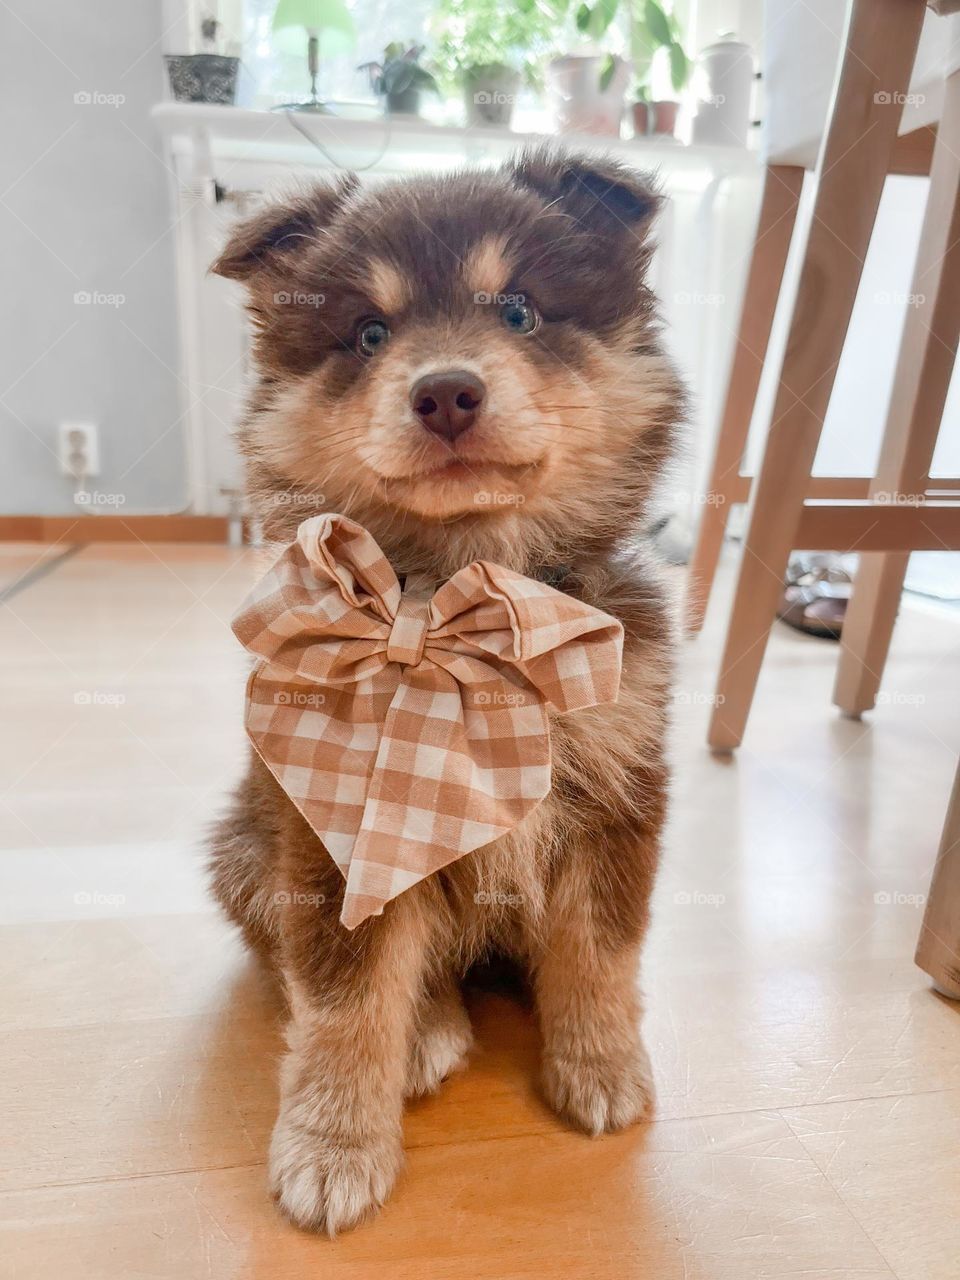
447	403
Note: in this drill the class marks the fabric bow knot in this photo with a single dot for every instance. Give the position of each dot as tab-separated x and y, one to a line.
410	730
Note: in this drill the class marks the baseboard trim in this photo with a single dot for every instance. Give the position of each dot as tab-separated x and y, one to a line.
175	528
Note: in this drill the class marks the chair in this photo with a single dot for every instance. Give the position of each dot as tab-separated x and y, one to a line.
938	950
788	509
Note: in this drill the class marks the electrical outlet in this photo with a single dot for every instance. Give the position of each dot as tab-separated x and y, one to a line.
79	449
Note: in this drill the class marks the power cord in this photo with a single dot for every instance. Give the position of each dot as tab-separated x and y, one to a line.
292	116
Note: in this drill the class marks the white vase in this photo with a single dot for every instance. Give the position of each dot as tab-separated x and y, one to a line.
725	80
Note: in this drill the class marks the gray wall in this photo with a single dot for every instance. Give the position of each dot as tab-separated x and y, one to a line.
85	206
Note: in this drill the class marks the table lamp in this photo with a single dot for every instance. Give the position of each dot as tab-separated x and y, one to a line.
326	22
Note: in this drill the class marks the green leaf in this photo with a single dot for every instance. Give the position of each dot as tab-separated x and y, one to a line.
583	18
607	71
679	67
604	12
656	20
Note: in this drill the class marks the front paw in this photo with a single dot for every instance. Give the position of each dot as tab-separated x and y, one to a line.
440	1048
599	1094
326	1184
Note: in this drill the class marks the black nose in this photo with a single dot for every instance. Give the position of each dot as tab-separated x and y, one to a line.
447	403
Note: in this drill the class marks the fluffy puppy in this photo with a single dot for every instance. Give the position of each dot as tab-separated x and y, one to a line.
468	365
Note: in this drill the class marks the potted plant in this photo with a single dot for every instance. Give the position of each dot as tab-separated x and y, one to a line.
209	76
649	30
588	86
654	33
400	79
487	49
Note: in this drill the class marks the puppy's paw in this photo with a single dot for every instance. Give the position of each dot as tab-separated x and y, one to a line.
325	1184
599	1094
441	1046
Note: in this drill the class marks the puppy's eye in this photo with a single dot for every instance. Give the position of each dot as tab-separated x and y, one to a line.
520	317
372	336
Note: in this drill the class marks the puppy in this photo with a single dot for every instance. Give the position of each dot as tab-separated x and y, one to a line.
470	367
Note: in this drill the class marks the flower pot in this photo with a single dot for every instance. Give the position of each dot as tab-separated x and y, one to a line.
641	119
403	102
489	95
664	116
203	77
579	104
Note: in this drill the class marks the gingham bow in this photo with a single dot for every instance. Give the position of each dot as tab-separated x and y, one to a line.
410	731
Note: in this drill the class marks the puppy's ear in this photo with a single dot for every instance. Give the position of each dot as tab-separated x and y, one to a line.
270	239
601	194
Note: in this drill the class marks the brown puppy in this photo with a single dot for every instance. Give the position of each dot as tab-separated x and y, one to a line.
470	367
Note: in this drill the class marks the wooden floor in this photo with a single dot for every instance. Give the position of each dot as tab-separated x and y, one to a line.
809	1080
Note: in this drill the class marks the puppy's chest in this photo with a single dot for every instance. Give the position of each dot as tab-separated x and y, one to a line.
595	756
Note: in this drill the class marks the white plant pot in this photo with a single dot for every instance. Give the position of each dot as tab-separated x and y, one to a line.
578	103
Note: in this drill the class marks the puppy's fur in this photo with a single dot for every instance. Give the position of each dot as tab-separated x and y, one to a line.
553	479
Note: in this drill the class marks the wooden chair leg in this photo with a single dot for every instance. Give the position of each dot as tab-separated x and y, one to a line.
938	949
881	45
778	213
924	369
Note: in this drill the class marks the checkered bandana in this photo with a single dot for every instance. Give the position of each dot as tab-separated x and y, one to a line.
410	730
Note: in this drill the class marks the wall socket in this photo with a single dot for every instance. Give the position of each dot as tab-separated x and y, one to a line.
79	449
